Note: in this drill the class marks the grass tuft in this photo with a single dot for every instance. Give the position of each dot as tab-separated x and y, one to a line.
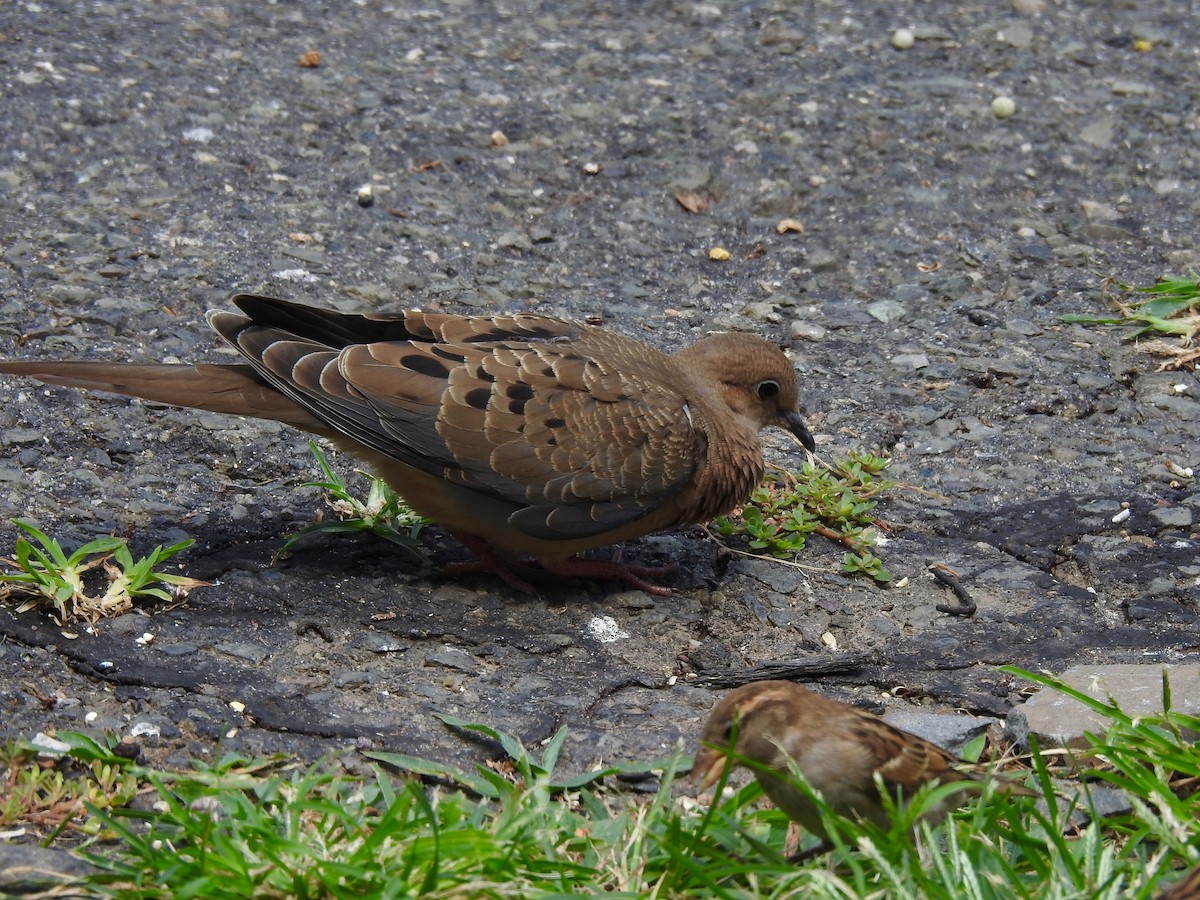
1170	306
382	513
515	827
99	579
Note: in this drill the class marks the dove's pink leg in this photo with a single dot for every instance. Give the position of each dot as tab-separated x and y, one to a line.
517	575
490	561
634	576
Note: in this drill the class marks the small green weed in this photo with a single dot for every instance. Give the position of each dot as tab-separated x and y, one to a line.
382	514
521	768
48	789
42	570
1170	306
833	501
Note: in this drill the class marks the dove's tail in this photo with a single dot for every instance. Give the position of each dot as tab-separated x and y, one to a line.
233	389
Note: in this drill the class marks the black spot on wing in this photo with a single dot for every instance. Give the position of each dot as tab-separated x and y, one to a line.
423	365
518	395
478	397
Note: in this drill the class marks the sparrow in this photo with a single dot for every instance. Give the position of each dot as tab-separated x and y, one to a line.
838	748
1186	888
522	435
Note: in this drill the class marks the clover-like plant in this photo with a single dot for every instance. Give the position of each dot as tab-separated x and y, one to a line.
835	501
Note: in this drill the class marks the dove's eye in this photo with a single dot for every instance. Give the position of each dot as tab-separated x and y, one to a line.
768	390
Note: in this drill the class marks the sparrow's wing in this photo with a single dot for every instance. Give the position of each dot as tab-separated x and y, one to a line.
906	761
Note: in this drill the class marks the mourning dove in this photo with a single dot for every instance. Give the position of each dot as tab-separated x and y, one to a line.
520	434
839	748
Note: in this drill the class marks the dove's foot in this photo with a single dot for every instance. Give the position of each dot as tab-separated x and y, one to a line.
519	574
614	569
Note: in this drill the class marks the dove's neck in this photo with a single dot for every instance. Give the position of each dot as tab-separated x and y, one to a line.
733	465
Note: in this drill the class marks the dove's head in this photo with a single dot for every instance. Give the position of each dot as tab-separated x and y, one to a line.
754	378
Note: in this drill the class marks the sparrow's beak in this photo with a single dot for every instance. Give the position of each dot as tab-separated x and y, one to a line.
707	768
794	422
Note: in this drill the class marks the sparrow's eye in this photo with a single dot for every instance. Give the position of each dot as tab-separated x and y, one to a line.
768	389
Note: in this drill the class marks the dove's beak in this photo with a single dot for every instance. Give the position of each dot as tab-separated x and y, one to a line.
794	422
707	768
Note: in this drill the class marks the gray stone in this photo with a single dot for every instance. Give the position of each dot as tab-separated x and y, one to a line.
1100	132
800	330
453	658
21	435
822	259
1059	720
883	628
782	578
886	310
255	653
934	446
1016	34
909	293
1125	87
183	648
515	240
943	427
1181	407
382	642
910	361
950	732
28	869
1172	516
351	679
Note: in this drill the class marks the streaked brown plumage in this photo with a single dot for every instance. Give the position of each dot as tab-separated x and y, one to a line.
1186	888
838	748
521	434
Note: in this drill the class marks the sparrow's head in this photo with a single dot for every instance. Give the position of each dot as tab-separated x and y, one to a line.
754	721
